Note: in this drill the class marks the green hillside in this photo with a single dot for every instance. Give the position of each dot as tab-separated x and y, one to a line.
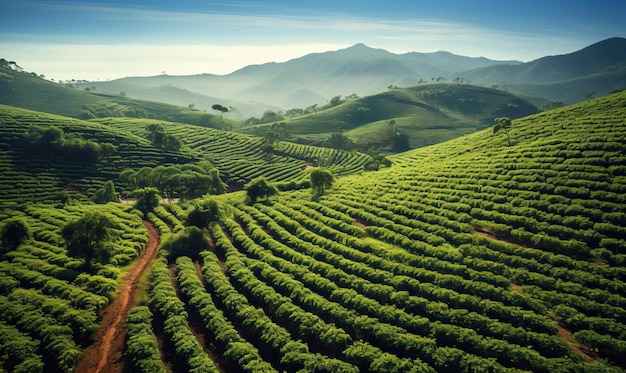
469	255
425	114
29	91
243	157
32	172
597	69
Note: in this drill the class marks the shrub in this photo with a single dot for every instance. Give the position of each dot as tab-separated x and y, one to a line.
13	232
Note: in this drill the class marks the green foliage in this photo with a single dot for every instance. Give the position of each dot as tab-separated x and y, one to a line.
186	181
503	124
106	194
188	242
339	141
203	213
321	180
13	232
259	188
376	162
161	139
87	237
55	143
146	199
142	347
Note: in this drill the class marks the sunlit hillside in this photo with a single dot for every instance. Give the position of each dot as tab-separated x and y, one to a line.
496	251
421	115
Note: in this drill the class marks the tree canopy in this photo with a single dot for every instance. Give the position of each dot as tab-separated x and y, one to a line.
321	180
186	181
13	232
203	213
260	188
87	237
339	141
106	194
146	199
503	124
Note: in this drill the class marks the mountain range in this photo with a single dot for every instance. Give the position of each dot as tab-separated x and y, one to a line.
315	78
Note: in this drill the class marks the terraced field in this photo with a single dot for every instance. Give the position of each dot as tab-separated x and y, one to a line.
470	255
467	256
49	307
242	158
30	173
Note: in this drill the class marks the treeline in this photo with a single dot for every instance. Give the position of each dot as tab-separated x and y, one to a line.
185	181
56	143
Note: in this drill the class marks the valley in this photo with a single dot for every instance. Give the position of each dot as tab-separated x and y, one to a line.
440	226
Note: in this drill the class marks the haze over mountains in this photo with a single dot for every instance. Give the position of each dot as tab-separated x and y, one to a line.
359	69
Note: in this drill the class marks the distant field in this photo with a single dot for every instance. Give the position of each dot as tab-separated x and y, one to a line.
425	114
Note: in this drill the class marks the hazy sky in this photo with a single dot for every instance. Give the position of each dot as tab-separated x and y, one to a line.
100	40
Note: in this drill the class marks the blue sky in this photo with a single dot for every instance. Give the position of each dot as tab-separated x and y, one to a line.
100	40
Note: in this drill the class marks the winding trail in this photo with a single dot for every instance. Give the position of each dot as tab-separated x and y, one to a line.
106	353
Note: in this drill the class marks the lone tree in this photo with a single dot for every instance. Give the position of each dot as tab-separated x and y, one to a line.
503	124
13	233
222	110
339	141
106	194
320	181
260	188
204	213
87	237
146	199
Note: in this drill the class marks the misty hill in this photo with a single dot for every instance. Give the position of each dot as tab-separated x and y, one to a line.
421	115
30	91
316	77
597	69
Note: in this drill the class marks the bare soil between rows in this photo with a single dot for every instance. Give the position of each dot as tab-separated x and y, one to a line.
107	352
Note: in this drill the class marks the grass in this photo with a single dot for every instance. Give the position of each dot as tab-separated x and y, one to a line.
29	91
427	114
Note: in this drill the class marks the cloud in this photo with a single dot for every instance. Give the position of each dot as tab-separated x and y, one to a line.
103	62
116	41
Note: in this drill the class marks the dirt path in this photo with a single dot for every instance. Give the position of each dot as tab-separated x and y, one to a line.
576	346
106	354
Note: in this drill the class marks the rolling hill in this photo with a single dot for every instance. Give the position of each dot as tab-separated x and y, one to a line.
469	255
361	70
597	69
30	91
35	171
314	78
424	114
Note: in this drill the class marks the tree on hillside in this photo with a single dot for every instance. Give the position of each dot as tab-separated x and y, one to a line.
336	100
171	143
503	124
339	141
271	116
259	188
188	242
204	213
13	233
321	180
106	194
374	163
222	110
312	108
156	134
392	124
146	199
87	237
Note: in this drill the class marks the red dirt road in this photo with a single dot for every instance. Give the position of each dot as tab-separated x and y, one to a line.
106	354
